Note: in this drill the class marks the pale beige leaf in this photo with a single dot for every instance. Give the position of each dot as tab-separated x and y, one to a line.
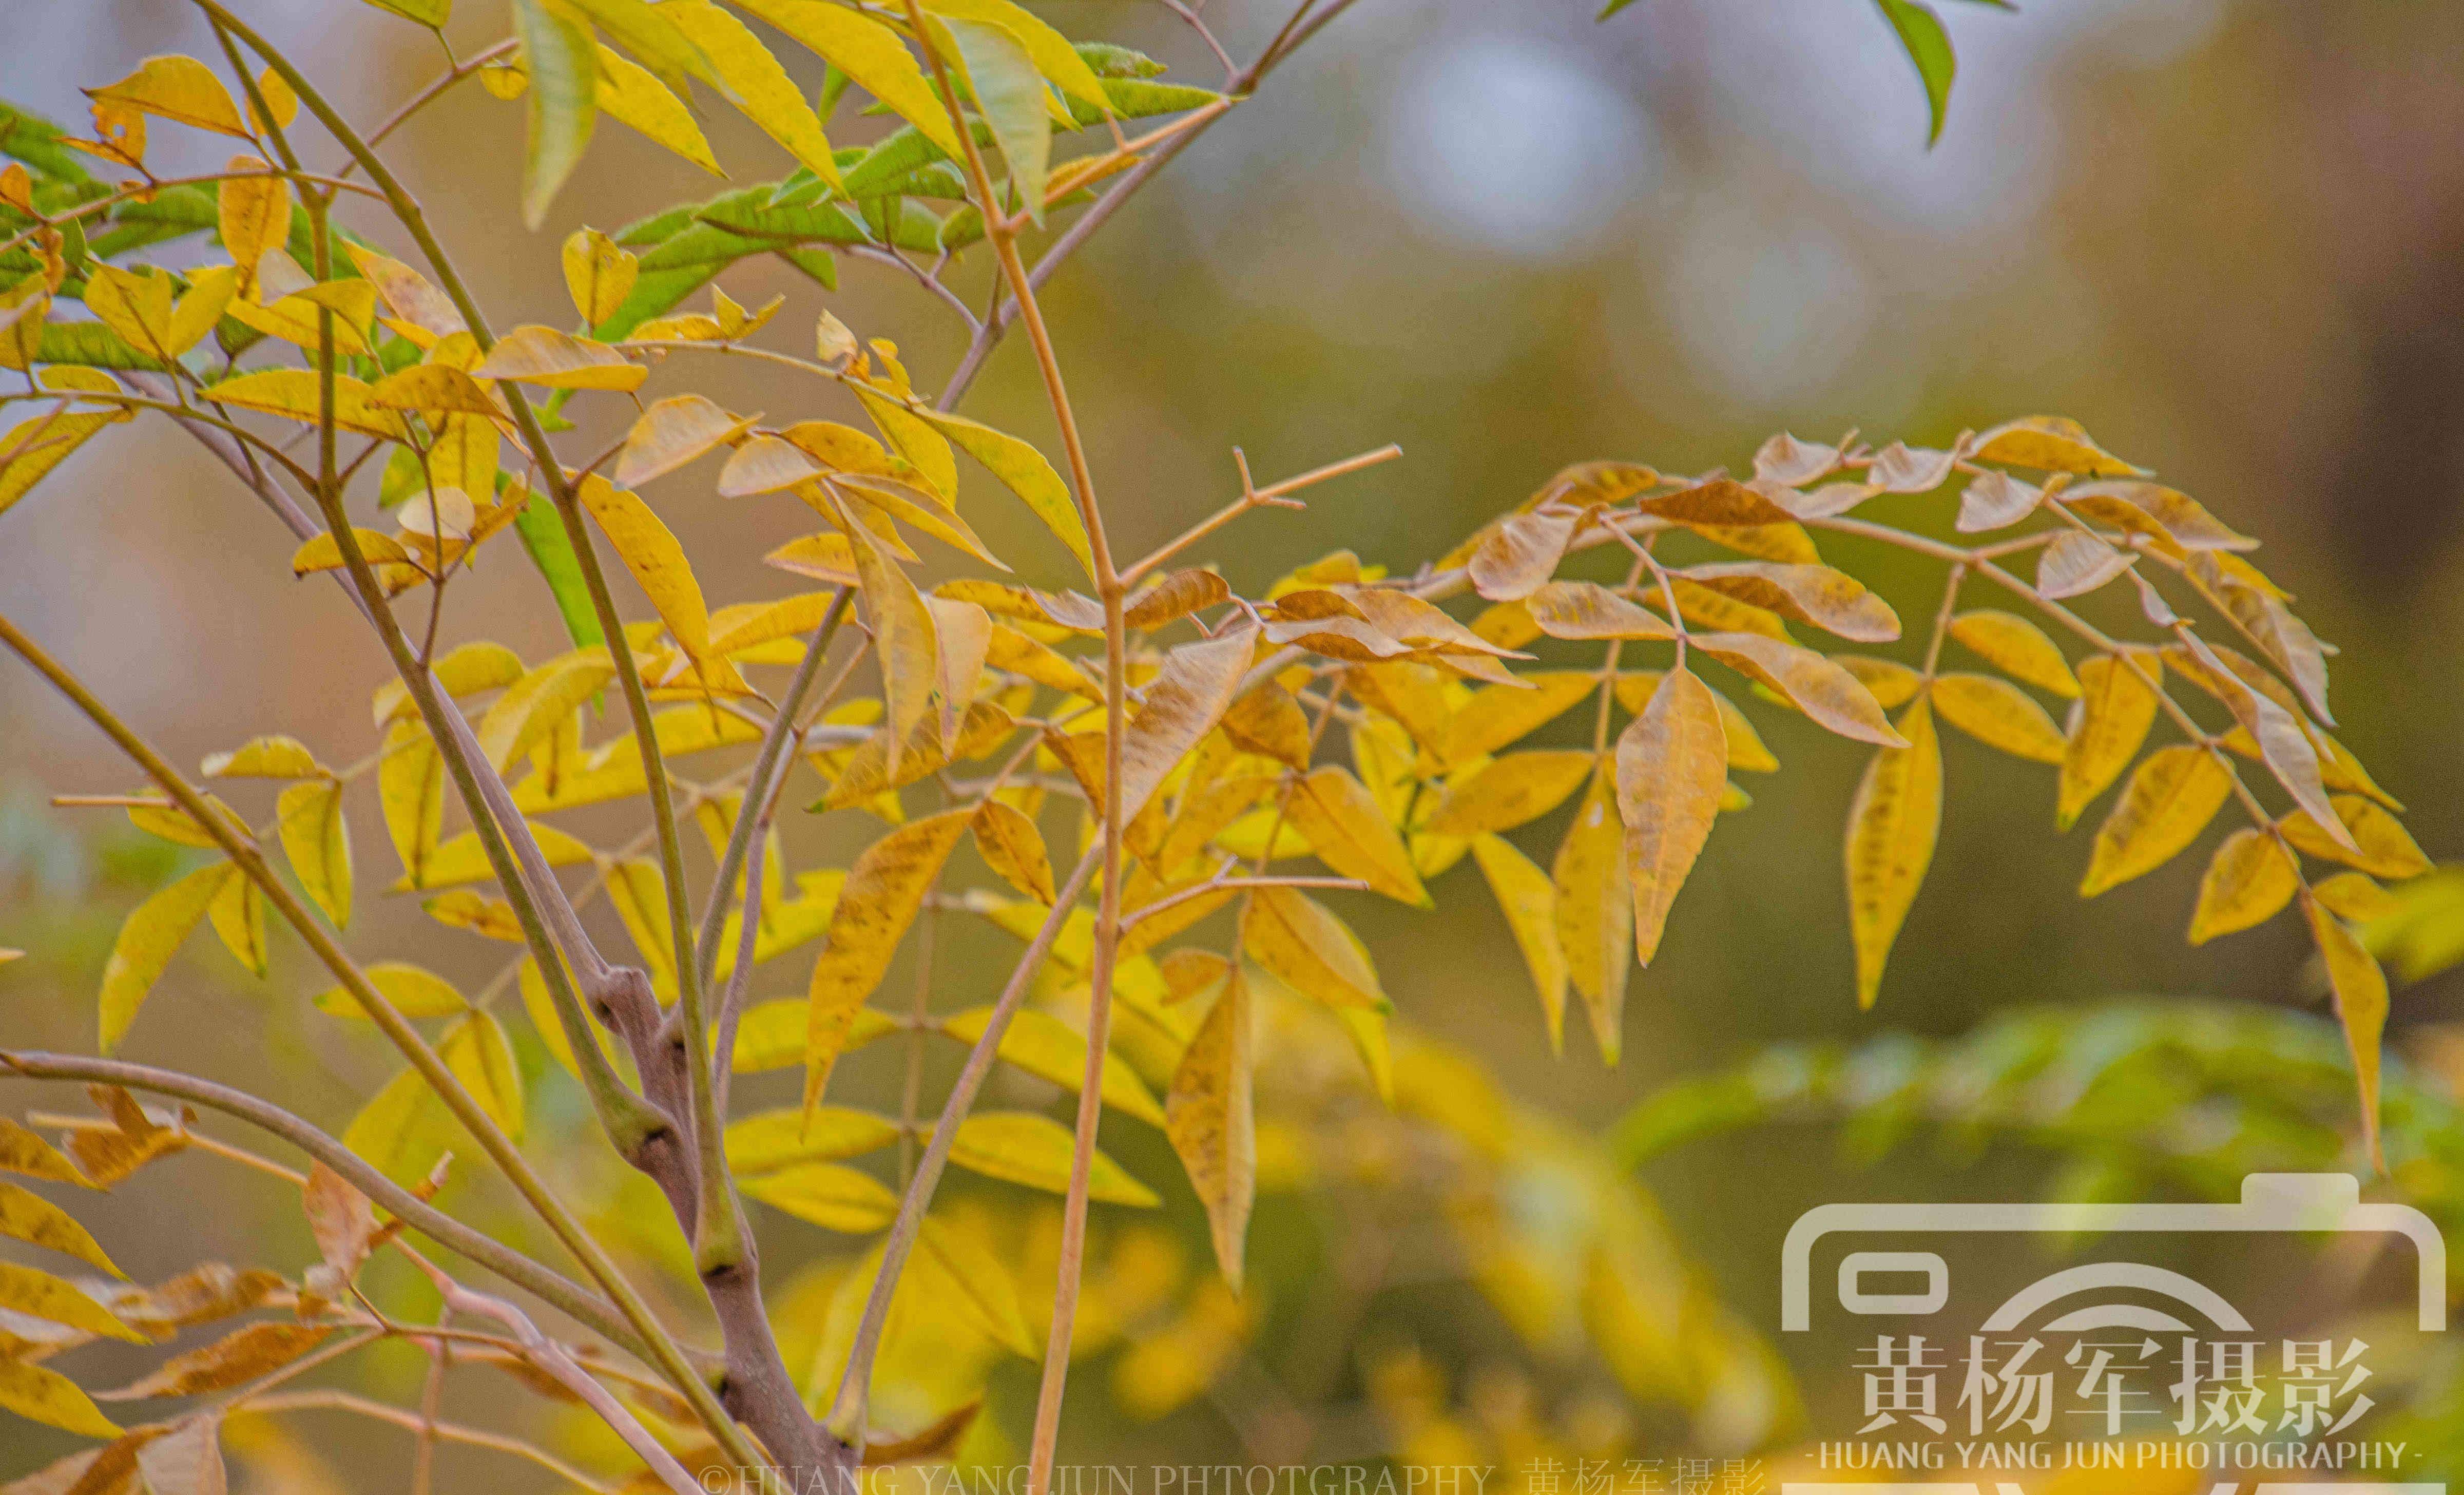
1589	611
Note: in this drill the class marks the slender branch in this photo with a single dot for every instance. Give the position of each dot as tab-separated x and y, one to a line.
664	1350
849	1405
730	1277
323	1400
568	1297
783	726
541	1351
1274	495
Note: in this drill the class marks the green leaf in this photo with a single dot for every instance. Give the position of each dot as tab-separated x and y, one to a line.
562	58
551	550
1136	98
1011	93
1929	47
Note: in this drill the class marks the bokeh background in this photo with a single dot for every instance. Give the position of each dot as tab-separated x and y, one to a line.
2227	235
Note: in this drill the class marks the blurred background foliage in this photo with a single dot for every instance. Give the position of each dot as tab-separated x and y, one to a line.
2222	234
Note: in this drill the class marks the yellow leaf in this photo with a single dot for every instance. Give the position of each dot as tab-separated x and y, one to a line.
237	914
762	88
976	1283
650	551
292	393
540	1008
410	789
1529	899
1054	55
438	389
1295	939
270	756
253	215
2167	802
830	1194
180	89
1824	691
2116	708
1036	1151
1509	790
1213	1125
1014	849
2361	1005
633	95
316	839
2355	897
47	1397
209	294
152	934
33	448
769	1140
1747	753
1589	611
1892	825
490	918
638	890
136	306
883	892
1672	764
26	1290
1352	835
298	318
1051	1049
542	699
870	54
402	1128
463	859
2050	443
771	1034
1817	594
2387	848
1266	720
413	990
28	1217
2017	648
1498	715
1023	471
1997	714
598	273
535	355
482	1058
22	1151
2250	878
1595	911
